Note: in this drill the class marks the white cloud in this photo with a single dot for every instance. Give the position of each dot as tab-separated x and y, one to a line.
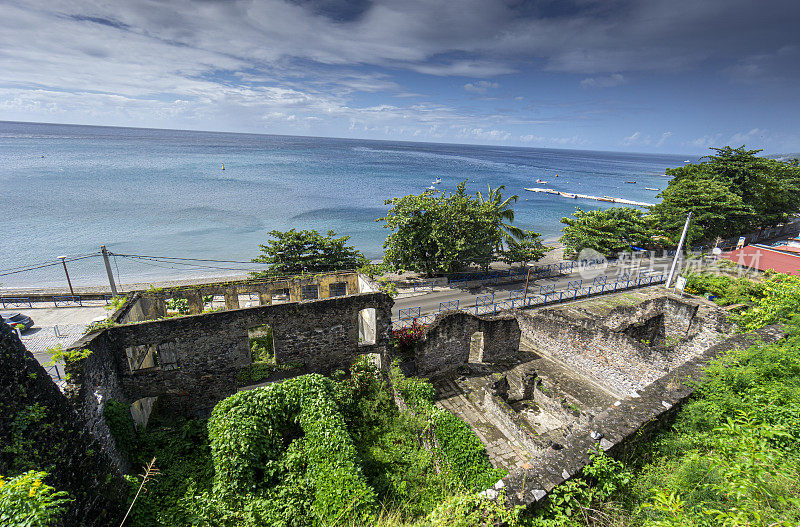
480	86
635	138
604	82
663	138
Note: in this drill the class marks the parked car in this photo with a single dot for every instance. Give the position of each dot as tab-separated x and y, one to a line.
15	319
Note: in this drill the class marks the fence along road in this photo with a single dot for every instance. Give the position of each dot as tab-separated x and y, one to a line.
557	287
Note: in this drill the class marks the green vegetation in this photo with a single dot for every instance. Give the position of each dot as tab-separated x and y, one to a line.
732	456
729	193
311	450
178	305
295	252
607	231
446	232
25	501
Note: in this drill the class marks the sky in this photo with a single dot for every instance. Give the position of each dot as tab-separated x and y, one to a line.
674	76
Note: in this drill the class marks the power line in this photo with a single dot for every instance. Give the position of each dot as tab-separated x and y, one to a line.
11	270
185	259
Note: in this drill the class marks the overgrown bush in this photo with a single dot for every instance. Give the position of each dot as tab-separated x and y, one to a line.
462	453
25	501
285	441
727	290
119	420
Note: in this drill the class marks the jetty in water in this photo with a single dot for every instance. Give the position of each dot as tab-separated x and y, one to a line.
573	195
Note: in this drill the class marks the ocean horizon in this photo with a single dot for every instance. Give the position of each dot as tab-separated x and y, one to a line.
70	188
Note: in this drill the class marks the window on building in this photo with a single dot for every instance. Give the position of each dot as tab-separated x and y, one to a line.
338	289
310	292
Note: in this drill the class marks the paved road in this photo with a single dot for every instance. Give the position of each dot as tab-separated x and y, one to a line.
429	303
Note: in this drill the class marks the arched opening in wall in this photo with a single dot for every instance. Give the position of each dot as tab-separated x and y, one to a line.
262	344
476	348
141	409
366	326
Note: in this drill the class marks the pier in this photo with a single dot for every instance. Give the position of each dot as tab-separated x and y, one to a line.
573	195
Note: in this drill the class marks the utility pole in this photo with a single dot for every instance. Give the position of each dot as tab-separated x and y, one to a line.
525	295
678	251
108	270
64	263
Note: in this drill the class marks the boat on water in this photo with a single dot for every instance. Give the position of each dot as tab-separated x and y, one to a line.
631	182
648	188
567	195
431	188
686	161
540	181
437	181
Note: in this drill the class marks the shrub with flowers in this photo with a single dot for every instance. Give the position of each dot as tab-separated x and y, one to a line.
26	501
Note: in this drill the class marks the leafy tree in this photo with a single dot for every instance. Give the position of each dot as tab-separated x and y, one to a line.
769	189
528	249
714	207
294	252
440	231
607	231
505	215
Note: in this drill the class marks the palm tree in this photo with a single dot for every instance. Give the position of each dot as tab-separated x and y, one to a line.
508	233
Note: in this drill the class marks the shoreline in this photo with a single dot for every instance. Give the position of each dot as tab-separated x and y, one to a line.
555	254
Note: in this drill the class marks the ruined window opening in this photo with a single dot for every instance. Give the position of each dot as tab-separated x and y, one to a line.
141	357
167	356
366	326
251	299
309	292
262	344
213	302
338	289
176	306
280	296
476	348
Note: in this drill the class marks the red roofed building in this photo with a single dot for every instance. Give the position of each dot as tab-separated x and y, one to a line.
762	258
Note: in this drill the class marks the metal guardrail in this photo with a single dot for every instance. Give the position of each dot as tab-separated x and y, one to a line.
16	302
411	312
418	286
547	295
67	301
450	305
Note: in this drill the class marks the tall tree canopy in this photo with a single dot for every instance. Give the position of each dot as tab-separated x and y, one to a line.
729	194
768	191
294	252
607	231
445	232
509	233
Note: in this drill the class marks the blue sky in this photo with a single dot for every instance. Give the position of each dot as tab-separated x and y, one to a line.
627	75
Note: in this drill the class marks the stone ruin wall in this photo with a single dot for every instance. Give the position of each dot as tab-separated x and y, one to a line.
151	304
617	428
207	352
600	349
77	461
446	344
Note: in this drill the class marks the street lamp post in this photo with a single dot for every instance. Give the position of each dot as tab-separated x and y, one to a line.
64	263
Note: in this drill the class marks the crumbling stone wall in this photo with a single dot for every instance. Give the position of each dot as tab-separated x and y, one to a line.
600	348
446	344
40	430
619	426
201	356
154	300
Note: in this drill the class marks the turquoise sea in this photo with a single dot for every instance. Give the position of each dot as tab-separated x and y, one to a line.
68	189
